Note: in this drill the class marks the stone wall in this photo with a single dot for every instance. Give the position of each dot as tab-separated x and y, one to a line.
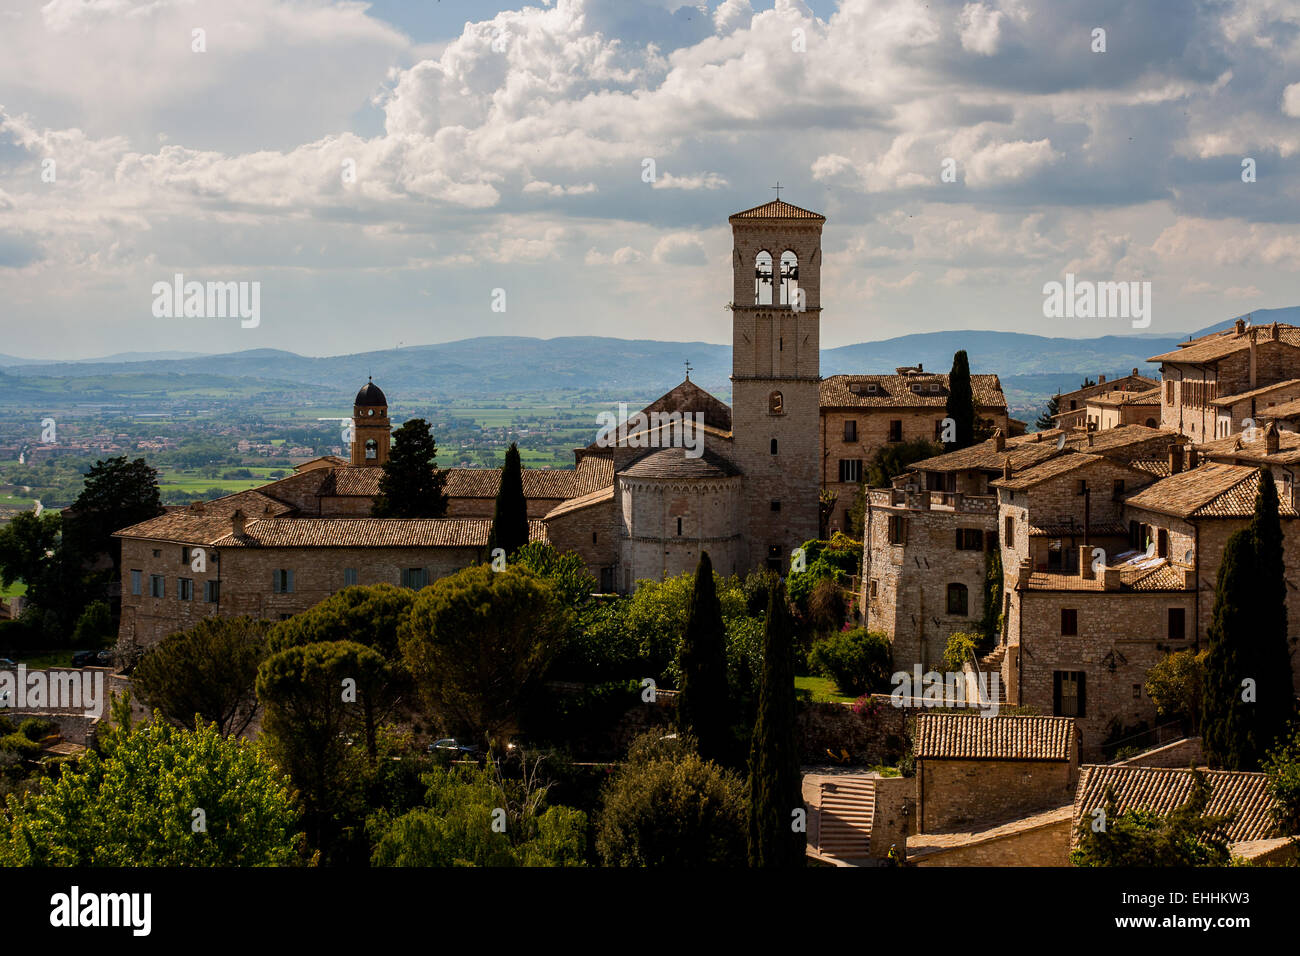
1039	840
964	794
870	740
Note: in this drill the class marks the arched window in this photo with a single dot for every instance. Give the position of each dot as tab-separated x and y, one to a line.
775	404
957	599
1151	423
789	277
372	449
763	279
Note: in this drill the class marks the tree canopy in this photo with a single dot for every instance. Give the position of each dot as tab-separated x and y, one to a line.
411	485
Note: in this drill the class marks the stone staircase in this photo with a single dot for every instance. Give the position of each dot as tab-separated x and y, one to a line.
991	663
847	809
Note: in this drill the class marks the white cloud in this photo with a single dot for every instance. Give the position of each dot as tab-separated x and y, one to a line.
980	28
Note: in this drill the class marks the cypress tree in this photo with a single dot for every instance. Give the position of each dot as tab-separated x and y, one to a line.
411	485
1228	725
703	707
1272	650
510	517
774	784
961	403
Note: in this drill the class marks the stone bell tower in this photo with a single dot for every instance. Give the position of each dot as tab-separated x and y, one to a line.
371	429
776	376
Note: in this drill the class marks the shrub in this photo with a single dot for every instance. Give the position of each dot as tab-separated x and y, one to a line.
1175	684
665	806
857	661
958	651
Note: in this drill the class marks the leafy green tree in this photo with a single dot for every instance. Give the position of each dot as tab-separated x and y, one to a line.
990	626
1045	421
1283	768
478	643
95	626
311	715
411	485
370	614
207	674
774	782
137	806
116	495
26	542
893	459
961	403
1175	685
1187	836
857	661
667	806
510	516
1228	725
703	706
1270	645
476	818
565	572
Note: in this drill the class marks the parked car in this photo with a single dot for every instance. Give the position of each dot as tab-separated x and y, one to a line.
6	663
84	658
456	749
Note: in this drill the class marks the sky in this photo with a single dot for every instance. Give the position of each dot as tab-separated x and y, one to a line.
401	173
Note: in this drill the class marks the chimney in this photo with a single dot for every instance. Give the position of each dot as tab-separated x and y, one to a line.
999	440
1085	563
1135	371
1006	468
1275	333
1240	326
237	523
1090	434
1175	459
1023	573
1101	379
1271	439
1110	579
1193	458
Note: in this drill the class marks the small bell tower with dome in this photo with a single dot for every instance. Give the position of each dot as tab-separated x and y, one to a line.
371	429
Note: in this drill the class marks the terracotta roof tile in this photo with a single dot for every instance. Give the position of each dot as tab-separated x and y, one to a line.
1162	790
674	463
1227	400
592	473
776	209
369	533
897	391
1217	345
972	737
1212	490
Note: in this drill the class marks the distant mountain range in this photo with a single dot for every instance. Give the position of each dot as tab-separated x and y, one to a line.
502	365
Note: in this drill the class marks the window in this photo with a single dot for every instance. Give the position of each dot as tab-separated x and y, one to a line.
1177	623
970	539
372	449
593	537
157	553
1083	486
938	429
156	585
282	582
775	404
415	578
185	589
874	588
679	525
763	278
851	469
185	555
897	529
789	277
851	430
774	446
1067	694
136	578
776	504
1117	489
349	577
1162	543
1069	621
958	599
774	558
212	591
1010	531
895	429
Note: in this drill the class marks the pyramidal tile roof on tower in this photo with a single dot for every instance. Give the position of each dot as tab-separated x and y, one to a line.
777	209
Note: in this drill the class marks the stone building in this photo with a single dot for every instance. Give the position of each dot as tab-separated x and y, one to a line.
1072	407
1199	375
1123	407
860	414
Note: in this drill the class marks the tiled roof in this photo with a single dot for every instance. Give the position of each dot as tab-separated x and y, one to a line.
252	503
972	737
1227	400
1120	398
1125	382
1076	530
592	473
1153	466
1026	451
895	391
1069	460
369	533
586	501
686	398
1163	790
1212	490
776	209
1137	575
1236	447
1283	410
676	464
1217	345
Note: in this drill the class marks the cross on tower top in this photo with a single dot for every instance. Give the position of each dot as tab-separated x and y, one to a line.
687	363
778	187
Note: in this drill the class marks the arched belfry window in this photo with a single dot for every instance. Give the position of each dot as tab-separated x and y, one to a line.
372	449
789	277
775	404
763	278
